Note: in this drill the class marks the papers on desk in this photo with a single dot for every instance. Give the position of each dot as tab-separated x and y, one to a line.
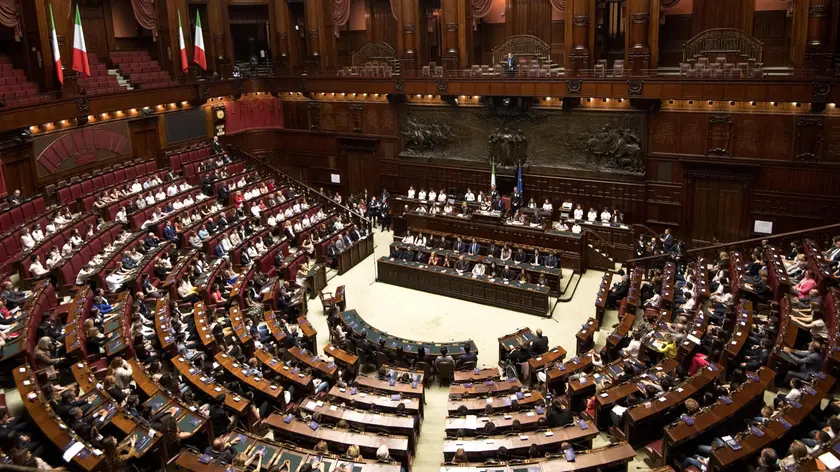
693	339
72	451
831	462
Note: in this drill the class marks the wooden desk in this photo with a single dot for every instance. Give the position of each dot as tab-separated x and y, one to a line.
601	297
355	323
557	375
290	376
202	327
499	403
48	422
585	338
612	395
487	387
473	424
478	449
318	365
244	375
316	280
509	342
380	402
751	445
408	426
202	382
742	328
572	246
477	375
642	422
614	457
237	324
343	358
163	327
354	254
544	360
341	439
746	402
274	326
397	392
308	331
513	295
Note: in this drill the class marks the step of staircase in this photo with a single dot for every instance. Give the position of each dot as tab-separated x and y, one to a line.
120	79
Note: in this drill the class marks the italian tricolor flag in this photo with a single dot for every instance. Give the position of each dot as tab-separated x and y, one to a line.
80	56
181	44
199	56
56	51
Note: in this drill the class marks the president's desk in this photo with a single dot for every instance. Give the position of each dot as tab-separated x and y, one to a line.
494	291
572	246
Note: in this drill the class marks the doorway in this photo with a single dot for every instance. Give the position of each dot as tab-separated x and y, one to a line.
718	207
249	30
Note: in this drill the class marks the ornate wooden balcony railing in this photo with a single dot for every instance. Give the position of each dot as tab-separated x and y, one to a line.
522	45
723	42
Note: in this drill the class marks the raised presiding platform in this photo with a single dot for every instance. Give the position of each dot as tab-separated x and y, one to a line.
494	291
354	322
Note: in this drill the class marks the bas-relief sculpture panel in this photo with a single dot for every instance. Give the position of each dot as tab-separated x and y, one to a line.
611	142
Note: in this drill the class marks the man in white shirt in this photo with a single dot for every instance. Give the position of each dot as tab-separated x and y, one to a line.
606	216
184	186
50	228
296	208
26	240
36	268
469	196
297	227
53	258
136	187
578	213
410	192
441	196
160	195
576	228
255	210
195	241
592	215
140	203
288	213
421	195
150	199
271	221
306	223
172	190
432	196
632	349
67	249
478	270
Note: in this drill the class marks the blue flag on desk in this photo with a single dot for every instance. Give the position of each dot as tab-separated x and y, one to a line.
519	180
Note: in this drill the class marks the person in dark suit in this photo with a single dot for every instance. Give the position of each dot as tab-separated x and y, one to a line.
224	193
535	258
219	250
474	248
507	273
668	240
515	200
539	345
151	241
557	415
493	250
467	356
355	235
520	256
15	199
222	222
551	261
618	291
459	245
169	233
462	265
498	204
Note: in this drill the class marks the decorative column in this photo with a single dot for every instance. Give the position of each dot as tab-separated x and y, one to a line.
281	21
313	36
450	18
818	54
637	45
579	15
408	15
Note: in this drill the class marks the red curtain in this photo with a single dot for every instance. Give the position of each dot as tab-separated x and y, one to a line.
481	8
559	5
9	16
250	113
340	13
146	14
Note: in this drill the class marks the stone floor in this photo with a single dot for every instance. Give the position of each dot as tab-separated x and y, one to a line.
426	317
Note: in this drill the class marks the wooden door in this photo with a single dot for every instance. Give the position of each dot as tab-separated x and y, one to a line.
718	208
361	172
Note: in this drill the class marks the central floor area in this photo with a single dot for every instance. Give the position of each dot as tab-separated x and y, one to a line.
423	316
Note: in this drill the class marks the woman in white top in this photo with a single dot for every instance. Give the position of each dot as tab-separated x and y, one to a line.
410	192
506	253
560	226
578	214
576	228
432	195
26	240
469	196
592	215
441	196
547	206
605	215
421	195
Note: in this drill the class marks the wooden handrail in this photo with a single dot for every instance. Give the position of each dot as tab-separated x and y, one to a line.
715	247
286	176
650	231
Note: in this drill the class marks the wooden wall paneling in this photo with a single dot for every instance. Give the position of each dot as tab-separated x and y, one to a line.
672	35
217	33
772	28
653	32
558	47
18	166
145	139
383	23
708	14
36	40
96	36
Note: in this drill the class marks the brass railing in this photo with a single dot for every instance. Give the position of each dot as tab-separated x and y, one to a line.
723	41
522	45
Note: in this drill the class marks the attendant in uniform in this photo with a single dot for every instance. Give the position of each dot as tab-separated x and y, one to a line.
422	194
410	192
516	200
578	213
